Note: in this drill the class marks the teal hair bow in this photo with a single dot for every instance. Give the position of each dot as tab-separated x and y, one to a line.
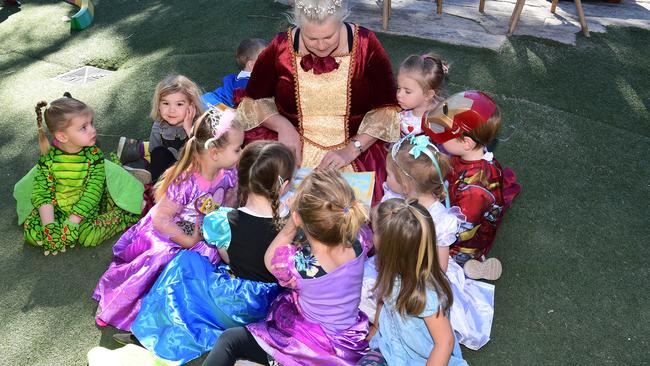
421	146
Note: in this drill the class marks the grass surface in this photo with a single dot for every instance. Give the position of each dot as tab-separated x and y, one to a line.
577	132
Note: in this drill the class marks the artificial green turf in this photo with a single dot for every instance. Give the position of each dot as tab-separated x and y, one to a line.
577	132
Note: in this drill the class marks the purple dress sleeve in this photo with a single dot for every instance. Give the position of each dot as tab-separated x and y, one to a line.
283	266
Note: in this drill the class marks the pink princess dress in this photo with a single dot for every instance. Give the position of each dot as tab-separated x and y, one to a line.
318	322
144	250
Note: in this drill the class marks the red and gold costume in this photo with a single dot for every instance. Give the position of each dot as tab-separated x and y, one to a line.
477	188
481	188
329	108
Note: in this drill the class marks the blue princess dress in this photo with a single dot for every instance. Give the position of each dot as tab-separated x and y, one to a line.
194	301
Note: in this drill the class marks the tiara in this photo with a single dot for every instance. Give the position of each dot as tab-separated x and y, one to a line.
312	10
220	120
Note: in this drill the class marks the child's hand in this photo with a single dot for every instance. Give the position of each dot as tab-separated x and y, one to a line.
52	239
188	121
372	332
70	234
196	237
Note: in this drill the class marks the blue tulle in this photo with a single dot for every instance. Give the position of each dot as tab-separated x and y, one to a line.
193	302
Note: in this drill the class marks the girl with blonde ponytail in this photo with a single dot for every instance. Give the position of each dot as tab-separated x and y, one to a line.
201	181
66	199
412	289
319	257
194	301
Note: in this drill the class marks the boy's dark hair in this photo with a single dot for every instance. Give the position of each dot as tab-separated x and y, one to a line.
249	49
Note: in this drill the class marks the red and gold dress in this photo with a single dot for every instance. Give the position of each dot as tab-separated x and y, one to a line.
328	108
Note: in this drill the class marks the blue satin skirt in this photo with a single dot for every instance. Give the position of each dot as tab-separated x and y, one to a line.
193	302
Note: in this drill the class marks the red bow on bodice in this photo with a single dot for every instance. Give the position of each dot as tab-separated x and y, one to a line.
320	65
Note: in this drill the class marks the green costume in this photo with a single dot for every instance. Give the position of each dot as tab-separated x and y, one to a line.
103	194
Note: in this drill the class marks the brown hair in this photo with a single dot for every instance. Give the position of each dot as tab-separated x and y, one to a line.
193	148
429	71
485	133
57	117
406	249
328	209
421	173
263	167
176	84
248	50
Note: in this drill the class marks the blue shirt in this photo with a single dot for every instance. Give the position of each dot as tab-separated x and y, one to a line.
406	340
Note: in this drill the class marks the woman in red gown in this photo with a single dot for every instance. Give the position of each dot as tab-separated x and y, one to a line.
325	89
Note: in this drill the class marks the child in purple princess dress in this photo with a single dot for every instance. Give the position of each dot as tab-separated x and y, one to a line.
319	257
201	181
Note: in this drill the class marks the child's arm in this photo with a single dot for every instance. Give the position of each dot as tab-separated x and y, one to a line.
473	202
443	339
188	241
163	222
375	323
94	188
43	192
285	236
443	257
155	137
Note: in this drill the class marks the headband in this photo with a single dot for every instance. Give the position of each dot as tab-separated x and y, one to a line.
310	9
220	122
420	146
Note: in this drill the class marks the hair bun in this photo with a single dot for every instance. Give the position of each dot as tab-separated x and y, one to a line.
67	95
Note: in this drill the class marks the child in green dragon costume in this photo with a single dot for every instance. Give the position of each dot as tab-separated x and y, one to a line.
73	195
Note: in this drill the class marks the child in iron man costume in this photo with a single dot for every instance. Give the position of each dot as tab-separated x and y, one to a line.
465	124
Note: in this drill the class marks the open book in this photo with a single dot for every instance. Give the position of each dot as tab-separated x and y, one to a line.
363	184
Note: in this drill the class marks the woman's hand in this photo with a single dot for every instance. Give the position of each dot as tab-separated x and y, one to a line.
287	134
188	121
337	159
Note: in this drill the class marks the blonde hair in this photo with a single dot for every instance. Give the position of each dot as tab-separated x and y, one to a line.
428	70
421	172
191	151
407	250
57	117
328	209
262	169
176	84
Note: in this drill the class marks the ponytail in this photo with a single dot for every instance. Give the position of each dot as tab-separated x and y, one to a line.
263	167
406	240
275	206
43	142
354	214
328	209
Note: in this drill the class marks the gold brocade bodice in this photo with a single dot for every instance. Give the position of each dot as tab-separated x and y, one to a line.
323	102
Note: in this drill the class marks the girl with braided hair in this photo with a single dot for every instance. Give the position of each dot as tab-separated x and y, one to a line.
194	301
200	182
318	256
74	196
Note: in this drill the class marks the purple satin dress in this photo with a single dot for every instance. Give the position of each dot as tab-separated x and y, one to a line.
319	321
143	252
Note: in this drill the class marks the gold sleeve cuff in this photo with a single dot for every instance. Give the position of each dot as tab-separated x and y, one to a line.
381	123
252	112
